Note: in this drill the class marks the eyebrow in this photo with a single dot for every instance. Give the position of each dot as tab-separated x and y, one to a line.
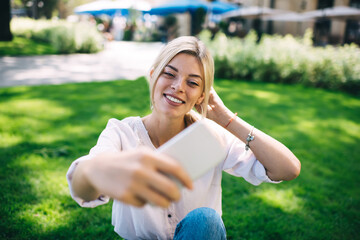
176	70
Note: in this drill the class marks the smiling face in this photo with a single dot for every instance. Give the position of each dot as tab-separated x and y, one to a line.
179	86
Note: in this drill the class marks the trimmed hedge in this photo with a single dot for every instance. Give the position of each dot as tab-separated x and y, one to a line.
64	36
286	59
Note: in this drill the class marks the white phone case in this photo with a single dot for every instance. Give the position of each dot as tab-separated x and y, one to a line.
197	148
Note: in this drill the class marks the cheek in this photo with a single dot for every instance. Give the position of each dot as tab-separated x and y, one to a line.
159	86
196	97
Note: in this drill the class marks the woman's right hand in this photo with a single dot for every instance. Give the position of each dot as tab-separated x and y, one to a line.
134	177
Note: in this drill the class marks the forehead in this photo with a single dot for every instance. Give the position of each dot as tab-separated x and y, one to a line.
187	63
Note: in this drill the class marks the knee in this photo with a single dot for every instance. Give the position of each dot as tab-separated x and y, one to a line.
205	217
201	223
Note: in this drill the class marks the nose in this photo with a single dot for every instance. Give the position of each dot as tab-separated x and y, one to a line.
178	85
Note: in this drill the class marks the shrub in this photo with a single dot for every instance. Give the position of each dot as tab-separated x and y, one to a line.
64	36
285	59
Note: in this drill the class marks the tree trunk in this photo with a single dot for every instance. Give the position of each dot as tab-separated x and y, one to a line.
5	15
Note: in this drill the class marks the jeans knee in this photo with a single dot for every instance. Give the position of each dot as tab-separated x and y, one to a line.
201	223
205	217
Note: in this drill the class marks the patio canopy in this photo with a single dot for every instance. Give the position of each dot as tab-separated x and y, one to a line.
253	12
110	7
264	13
341	12
288	17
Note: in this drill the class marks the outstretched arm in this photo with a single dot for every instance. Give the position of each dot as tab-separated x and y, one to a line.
133	177
280	163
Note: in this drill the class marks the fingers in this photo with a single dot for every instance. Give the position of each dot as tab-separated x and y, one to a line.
171	167
162	184
152	187
132	199
152	196
140	194
212	93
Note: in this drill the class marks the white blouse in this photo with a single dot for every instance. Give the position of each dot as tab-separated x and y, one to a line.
151	222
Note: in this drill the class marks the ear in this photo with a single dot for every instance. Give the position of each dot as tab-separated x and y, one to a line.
200	99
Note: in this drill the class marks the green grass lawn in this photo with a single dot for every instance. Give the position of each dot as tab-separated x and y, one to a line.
20	46
44	128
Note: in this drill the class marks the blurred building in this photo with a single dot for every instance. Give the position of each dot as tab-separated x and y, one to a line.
326	30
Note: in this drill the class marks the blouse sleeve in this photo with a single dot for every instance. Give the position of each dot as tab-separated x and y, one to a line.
242	163
109	140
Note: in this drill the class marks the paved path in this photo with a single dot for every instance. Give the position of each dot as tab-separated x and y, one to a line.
119	60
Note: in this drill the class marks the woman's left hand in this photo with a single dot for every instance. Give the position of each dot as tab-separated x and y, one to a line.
216	109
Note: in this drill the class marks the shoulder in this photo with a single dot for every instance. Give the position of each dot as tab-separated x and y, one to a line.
129	122
121	132
125	126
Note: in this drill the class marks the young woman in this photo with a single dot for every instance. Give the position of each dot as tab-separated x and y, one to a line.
125	166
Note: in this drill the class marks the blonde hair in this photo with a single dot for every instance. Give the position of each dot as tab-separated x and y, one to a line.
188	45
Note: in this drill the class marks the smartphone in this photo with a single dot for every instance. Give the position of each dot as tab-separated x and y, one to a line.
197	148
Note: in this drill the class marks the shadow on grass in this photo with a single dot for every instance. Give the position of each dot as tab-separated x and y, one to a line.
47	127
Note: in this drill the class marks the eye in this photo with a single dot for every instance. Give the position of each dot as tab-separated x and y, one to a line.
193	83
169	74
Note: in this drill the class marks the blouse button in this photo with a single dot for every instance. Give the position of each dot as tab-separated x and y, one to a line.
169	215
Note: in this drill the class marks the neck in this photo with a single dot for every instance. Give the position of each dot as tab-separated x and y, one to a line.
161	129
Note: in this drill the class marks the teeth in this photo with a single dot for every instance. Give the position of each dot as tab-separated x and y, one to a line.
173	99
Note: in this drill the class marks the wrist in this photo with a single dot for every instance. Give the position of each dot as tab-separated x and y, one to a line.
230	120
225	117
222	116
83	186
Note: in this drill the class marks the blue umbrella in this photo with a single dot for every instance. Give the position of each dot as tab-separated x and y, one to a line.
181	6
219	7
110	7
178	6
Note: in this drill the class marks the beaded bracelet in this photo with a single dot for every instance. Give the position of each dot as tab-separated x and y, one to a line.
231	119
249	138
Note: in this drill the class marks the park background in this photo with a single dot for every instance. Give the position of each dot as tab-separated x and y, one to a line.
302	88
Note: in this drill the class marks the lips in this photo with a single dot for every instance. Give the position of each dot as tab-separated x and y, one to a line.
172	99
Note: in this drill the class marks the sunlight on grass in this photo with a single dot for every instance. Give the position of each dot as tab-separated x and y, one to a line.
47	181
41	108
350	129
286	200
31	161
121	110
320	130
69	130
306	125
31	114
45	215
270	97
9	139
45	138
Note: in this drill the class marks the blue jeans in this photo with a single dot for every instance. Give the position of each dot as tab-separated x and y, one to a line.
201	223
